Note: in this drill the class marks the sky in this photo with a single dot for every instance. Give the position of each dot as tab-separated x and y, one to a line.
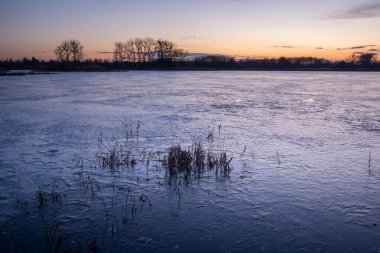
331	29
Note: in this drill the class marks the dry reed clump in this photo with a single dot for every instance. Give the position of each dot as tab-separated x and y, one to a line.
178	160
123	151
110	159
199	155
112	155
203	155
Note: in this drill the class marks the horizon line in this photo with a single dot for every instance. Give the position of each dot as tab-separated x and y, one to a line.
194	55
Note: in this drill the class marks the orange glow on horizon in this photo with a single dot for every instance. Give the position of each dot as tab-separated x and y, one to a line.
255	29
237	50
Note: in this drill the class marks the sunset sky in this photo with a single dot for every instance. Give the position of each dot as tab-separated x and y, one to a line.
251	28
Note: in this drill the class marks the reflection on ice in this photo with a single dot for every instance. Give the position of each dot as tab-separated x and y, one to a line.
309	100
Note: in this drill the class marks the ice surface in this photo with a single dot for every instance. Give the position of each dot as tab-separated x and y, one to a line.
309	179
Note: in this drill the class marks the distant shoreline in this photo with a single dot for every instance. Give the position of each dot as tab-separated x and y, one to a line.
15	73
209	63
21	73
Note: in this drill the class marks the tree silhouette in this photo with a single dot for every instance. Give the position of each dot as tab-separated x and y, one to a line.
164	49
149	46
139	46
119	52
283	62
367	58
69	51
168	51
130	52
364	59
77	50
63	52
142	50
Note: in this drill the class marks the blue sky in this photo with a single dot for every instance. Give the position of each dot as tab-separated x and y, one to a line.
257	28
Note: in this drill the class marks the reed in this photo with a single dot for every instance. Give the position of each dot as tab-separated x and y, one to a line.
369	162
200	157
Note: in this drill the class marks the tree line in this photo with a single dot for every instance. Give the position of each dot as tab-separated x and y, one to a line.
199	63
134	52
354	62
141	50
149	53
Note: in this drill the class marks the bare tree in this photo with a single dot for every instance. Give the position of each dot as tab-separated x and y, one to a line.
142	50
139	43
367	58
76	50
130	52
149	48
119	52
63	51
69	50
165	49
60	53
364	59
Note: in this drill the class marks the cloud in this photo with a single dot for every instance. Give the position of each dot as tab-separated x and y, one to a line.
369	52
105	52
190	38
374	50
364	53
367	10
319	48
284	47
356	47
360	47
204	54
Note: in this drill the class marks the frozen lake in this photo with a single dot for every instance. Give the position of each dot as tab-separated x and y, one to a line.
305	148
